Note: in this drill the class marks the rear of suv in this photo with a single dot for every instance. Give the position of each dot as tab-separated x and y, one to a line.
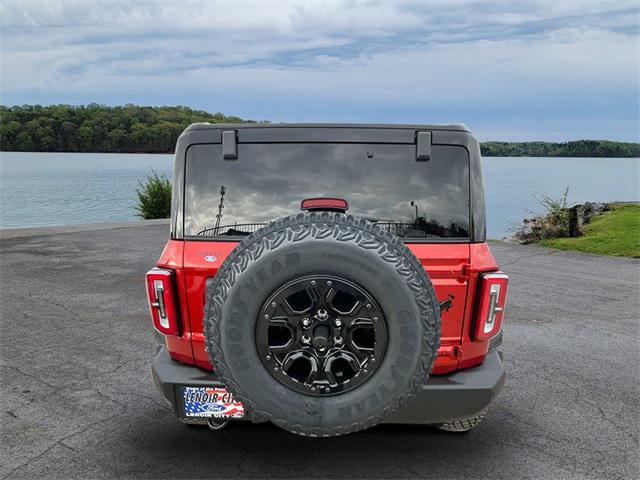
328	278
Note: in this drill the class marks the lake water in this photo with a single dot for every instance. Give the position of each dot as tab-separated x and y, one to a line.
39	189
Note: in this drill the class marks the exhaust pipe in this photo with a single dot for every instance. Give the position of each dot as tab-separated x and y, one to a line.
216	424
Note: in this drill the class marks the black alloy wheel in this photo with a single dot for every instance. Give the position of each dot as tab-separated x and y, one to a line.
321	335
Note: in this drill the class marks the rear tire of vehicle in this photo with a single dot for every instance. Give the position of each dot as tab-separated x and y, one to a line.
462	426
325	243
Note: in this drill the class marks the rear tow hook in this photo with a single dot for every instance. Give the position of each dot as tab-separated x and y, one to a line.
216	424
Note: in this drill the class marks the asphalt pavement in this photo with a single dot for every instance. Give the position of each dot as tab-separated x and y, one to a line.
77	399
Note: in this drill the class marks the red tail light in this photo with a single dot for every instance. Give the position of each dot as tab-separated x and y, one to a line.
491	303
161	294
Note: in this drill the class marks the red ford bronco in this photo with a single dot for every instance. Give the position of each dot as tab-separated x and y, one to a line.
328	278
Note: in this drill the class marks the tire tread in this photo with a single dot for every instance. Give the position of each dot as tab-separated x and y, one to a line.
343	228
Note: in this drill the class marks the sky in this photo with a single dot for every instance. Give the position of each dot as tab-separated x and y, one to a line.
510	70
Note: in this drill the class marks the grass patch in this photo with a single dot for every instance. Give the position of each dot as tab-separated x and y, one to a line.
616	232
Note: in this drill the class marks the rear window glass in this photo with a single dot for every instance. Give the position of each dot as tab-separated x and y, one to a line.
381	182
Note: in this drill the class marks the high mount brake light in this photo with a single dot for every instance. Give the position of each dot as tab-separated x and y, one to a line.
339	204
491	303
161	295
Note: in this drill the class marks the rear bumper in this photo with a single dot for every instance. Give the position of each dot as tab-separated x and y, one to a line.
458	395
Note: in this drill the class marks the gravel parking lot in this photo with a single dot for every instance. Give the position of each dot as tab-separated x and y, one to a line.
78	401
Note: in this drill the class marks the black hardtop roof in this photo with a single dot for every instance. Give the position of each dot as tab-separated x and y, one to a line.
423	136
455	127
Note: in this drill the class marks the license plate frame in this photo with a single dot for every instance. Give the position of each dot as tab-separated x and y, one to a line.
207	402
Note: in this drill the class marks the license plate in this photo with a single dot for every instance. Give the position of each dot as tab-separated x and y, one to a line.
210	402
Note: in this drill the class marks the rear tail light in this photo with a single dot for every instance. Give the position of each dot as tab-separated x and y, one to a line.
491	303
161	294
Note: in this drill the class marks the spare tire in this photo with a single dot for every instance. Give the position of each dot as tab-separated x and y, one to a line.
322	323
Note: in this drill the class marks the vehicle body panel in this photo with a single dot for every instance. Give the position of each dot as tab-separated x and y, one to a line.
448	265
441	398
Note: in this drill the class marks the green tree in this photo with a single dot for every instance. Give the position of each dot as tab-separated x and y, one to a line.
25	141
132	128
98	128
577	148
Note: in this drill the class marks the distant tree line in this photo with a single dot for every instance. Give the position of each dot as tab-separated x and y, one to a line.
98	128
136	129
577	148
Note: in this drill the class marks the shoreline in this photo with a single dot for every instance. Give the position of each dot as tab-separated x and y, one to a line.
6	233
173	153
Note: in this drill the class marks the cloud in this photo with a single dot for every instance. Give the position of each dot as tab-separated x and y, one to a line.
485	62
